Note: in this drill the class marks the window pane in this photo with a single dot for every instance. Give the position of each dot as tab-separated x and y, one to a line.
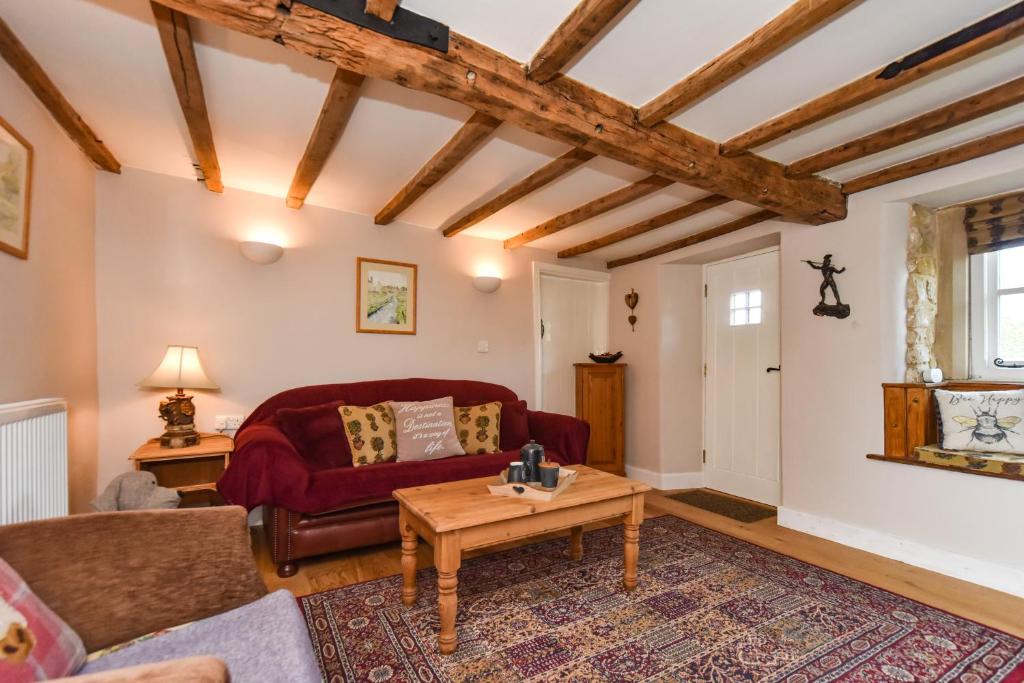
1011	268
739	317
755	316
755	297
739	300
1010	346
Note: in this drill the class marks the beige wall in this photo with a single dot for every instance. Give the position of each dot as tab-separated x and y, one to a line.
831	396
48	306
170	272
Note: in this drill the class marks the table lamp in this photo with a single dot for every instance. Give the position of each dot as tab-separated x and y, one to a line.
180	369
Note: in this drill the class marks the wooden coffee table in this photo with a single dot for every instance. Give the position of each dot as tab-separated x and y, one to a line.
463	515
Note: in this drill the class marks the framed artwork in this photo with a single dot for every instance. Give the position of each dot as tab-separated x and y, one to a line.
385	296
15	190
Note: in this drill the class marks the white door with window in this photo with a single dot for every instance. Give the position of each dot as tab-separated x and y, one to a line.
573	320
742	380
997	315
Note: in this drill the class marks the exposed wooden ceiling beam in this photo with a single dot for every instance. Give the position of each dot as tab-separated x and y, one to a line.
653	223
690	240
176	39
562	109
469	137
612	200
932	162
943	118
28	69
382	9
796	20
546	174
581	26
337	107
870	86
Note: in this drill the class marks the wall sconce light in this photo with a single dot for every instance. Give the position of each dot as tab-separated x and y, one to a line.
486	283
263	253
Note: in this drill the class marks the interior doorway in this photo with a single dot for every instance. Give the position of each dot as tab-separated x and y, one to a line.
742	375
571	320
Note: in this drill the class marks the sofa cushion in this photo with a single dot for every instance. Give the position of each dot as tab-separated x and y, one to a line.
370	432
332	489
266	640
426	429
479	427
317	434
515	425
34	641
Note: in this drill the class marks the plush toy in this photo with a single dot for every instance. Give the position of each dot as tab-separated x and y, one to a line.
16	640
135	491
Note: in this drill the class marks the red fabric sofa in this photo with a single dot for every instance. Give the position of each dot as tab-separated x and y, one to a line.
315	502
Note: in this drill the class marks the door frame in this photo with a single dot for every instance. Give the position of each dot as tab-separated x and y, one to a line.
570	273
704	355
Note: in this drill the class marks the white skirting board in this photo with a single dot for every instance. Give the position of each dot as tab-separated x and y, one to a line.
1000	577
666	481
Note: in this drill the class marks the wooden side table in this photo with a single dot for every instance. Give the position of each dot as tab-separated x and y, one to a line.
192	471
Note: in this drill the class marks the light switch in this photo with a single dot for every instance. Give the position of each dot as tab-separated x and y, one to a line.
482	346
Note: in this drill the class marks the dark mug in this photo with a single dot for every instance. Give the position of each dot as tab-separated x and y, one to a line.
516	473
549	475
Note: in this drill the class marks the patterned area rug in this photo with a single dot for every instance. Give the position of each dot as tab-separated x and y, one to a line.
730	507
708	607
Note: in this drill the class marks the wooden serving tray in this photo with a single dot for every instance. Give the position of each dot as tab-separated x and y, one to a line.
532	491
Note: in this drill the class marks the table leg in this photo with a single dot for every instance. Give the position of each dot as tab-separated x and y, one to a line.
409	543
631	538
447	558
576	542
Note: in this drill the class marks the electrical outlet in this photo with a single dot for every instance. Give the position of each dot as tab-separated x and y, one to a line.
482	346
220	422
234	421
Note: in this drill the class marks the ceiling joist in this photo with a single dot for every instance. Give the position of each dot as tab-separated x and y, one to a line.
878	83
176	39
936	121
563	109
469	137
341	97
703	236
795	21
28	69
582	25
612	200
662	219
382	9
932	162
548	173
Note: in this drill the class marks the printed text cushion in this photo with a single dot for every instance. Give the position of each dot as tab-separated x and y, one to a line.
985	421
425	429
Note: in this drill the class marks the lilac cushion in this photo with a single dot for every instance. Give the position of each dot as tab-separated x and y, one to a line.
317	434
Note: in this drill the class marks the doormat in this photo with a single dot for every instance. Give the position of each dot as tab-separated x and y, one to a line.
733	508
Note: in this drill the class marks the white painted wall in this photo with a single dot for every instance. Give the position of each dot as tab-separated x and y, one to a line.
169	272
48	306
831	394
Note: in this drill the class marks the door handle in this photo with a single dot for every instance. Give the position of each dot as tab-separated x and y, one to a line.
778	369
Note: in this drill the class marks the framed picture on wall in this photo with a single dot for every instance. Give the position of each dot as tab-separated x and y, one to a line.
15	190
385	296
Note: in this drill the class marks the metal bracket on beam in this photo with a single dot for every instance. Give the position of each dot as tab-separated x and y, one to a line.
404	25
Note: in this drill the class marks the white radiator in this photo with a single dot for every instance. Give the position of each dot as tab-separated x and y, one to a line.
33	460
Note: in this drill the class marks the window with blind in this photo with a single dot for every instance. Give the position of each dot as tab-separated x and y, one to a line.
995	241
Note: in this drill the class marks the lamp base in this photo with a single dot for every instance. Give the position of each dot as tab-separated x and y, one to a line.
179	437
178	413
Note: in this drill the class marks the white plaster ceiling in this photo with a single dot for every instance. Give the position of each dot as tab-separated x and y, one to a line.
263	99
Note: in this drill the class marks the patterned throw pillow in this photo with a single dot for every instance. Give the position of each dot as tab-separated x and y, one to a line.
426	429
986	421
35	644
479	428
371	433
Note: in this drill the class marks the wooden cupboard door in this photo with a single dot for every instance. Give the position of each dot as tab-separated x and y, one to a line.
600	402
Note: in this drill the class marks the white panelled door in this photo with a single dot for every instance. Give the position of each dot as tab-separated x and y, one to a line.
741	388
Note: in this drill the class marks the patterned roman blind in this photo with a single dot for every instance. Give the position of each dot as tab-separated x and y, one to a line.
995	223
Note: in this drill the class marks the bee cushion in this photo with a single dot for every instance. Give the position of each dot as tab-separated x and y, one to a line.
370	432
984	421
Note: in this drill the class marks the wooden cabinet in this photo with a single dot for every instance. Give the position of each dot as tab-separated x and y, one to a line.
193	470
600	401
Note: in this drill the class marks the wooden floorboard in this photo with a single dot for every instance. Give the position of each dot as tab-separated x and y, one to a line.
987	606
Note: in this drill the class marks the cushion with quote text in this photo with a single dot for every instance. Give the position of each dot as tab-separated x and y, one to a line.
479	428
426	429
370	432
986	421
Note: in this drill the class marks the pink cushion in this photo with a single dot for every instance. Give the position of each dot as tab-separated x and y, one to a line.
35	644
317	434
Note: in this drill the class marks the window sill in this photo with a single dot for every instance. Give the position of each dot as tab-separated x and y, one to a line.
947	467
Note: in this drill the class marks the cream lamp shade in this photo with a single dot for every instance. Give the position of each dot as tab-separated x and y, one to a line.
180	369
